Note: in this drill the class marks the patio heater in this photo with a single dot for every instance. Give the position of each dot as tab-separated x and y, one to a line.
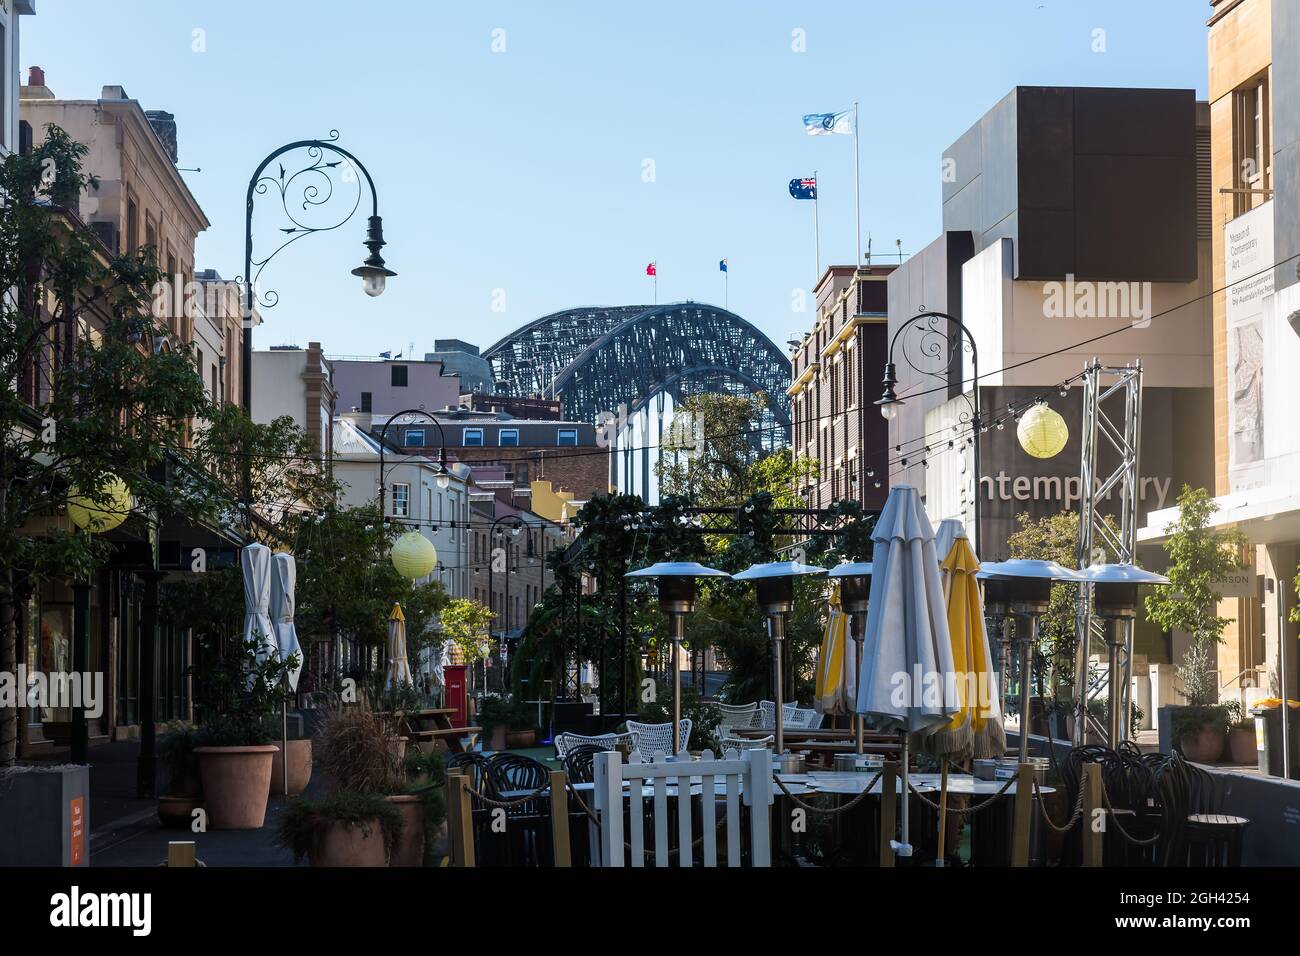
855	596
1115	597
1025	586
676	580
775	584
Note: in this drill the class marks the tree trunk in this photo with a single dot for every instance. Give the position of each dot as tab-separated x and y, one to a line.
9	665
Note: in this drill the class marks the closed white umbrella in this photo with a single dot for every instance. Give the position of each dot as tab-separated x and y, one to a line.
949	530
283	580
255	561
904	680
284	575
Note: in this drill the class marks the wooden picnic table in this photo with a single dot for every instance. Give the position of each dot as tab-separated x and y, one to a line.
439	726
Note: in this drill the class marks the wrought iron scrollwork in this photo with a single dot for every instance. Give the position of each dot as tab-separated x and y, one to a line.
326	179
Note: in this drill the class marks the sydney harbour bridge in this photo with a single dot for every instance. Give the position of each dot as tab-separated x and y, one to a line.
626	361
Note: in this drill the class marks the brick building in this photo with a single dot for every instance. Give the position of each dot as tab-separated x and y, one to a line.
835	372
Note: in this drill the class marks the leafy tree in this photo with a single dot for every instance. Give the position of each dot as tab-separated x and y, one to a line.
708	448
465	623
89	397
1198	556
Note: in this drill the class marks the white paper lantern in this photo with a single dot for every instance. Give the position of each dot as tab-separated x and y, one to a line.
414	555
1042	432
112	508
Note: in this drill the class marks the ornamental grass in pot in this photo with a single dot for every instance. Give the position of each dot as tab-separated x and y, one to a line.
182	792
354	753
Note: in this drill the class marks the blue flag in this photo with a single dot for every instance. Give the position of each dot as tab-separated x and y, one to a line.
803	188
722	265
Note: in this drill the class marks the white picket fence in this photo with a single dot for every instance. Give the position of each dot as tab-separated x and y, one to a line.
737	778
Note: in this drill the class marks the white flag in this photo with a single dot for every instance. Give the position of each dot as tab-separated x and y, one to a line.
824	124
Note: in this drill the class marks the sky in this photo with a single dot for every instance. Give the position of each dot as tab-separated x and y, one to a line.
531	157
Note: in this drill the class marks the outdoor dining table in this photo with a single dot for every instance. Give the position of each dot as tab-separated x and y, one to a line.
429	723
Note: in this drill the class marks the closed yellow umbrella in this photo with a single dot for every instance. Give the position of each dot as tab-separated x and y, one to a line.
836	684
399	671
976	729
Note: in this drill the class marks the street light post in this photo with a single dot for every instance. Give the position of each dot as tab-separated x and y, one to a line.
443	478
932	344
315	189
493	534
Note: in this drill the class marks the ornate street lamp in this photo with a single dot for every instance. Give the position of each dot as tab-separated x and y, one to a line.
928	351
1025	587
443	479
1115	597
775	585
855	597
676	581
307	190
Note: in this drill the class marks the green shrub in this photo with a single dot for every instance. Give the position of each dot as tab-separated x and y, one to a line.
297	829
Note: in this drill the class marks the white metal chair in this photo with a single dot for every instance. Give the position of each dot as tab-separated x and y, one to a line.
658	738
741	716
744	743
565	741
803	718
767	714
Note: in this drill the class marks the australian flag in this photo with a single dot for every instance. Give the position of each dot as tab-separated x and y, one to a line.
803	188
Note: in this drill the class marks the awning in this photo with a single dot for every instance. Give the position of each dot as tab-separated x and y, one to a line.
1267	515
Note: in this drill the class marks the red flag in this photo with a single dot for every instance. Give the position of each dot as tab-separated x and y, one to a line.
650	270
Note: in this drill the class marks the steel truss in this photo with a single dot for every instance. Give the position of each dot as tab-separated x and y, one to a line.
614	361
1100	540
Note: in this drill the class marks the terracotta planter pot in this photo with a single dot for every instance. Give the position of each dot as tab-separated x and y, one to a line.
236	785
1242	746
350	844
299	767
410	845
516	739
178	811
1204	746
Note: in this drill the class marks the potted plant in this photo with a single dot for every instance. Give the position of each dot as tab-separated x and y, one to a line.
235	749
1199	555
182	792
423	768
500	715
299	766
1242	745
355	754
346	828
1201	732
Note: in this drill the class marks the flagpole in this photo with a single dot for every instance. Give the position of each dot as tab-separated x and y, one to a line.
857	199
817	230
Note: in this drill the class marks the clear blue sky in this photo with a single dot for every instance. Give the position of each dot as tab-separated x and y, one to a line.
522	170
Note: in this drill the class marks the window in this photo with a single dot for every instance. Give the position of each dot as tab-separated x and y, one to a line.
132	227
401	500
508	437
399	376
366	400
566	436
1250	145
472	438
414	436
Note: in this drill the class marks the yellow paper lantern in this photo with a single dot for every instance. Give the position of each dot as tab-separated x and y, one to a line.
1042	432
112	508
414	555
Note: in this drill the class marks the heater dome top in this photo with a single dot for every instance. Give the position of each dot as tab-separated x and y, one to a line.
677	569
1027	568
853	570
1121	574
776	569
